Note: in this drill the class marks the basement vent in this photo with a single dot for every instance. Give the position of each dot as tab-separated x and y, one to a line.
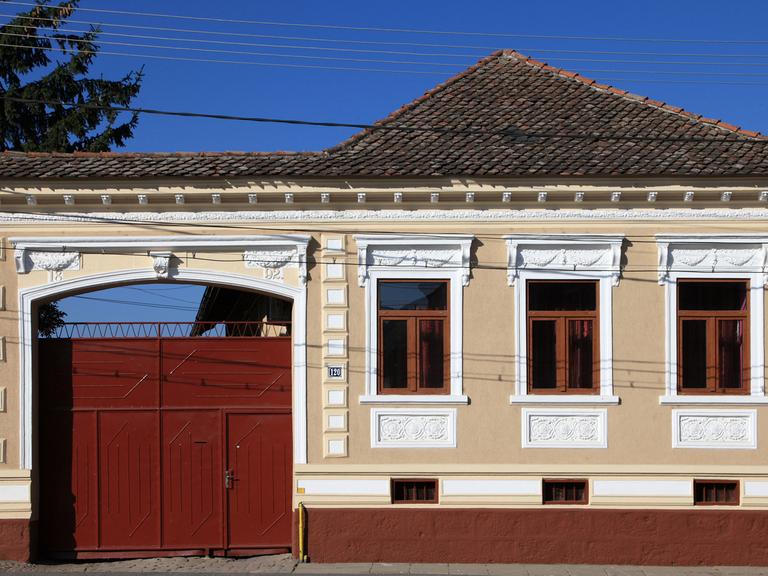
565	492
716	492
410	491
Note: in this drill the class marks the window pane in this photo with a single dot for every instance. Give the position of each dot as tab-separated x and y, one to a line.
413	295
730	353
712	295
694	352
395	353
543	354
562	295
431	354
580	358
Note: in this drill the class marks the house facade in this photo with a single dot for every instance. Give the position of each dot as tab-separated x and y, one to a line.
526	325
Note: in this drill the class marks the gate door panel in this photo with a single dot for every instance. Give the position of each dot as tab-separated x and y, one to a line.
135	439
192	479
130	479
260	464
227	372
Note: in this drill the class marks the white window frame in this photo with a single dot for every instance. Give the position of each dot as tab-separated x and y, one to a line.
564	257
414	257
691	257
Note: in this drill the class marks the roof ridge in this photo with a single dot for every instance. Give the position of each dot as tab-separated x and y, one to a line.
178	154
679	111
392	116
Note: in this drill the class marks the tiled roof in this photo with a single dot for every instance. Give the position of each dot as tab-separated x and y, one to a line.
508	115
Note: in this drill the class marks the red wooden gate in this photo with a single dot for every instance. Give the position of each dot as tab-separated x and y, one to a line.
157	443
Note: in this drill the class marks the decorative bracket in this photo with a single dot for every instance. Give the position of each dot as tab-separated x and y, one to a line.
712	253
161	262
274	259
426	251
55	262
564	252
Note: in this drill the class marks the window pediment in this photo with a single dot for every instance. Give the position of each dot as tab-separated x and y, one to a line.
596	253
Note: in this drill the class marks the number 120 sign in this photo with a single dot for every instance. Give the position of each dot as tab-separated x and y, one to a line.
335	372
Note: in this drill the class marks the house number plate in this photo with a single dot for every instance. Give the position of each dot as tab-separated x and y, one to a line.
335	372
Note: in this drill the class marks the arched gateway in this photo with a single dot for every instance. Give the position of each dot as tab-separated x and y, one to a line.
152	438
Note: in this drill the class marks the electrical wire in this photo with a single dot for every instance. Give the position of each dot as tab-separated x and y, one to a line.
374	42
727	137
219	61
420	63
399	30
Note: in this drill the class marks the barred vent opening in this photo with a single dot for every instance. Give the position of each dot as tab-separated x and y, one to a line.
565	492
716	492
408	491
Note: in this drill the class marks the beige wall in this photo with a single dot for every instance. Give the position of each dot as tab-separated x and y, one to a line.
489	443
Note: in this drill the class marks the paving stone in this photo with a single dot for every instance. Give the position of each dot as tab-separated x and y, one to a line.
426	569
507	570
547	569
468	569
390	568
345	568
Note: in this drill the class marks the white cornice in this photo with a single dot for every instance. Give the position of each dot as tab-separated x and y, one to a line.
423	215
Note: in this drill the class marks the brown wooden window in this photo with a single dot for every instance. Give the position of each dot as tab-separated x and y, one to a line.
713	336
414	337
409	491
563	339
716	492
565	492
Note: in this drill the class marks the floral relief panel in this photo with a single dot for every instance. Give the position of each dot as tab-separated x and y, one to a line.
406	428
547	428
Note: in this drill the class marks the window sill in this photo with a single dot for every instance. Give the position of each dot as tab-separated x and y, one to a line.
414	399
583	399
713	399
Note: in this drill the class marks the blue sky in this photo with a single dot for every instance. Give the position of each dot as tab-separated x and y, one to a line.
713	81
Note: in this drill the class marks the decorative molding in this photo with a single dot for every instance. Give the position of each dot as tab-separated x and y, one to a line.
566	399
344	487
55	262
564	428
564	252
714	429
29	296
711	256
14	493
643	488
471	487
711	253
274	260
417	428
755	489
3	448
434	214
47	253
414	252
161	263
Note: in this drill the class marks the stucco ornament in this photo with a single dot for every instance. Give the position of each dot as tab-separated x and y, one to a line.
414	253
413	428
563	429
54	262
725	430
599	254
711	254
272	261
161	263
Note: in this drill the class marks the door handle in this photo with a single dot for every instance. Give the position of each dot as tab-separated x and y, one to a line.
229	477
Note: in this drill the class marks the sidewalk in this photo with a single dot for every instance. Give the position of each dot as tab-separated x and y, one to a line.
285	564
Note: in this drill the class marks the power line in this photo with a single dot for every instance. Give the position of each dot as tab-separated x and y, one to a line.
219	51
219	61
378	42
385	127
390	52
402	30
